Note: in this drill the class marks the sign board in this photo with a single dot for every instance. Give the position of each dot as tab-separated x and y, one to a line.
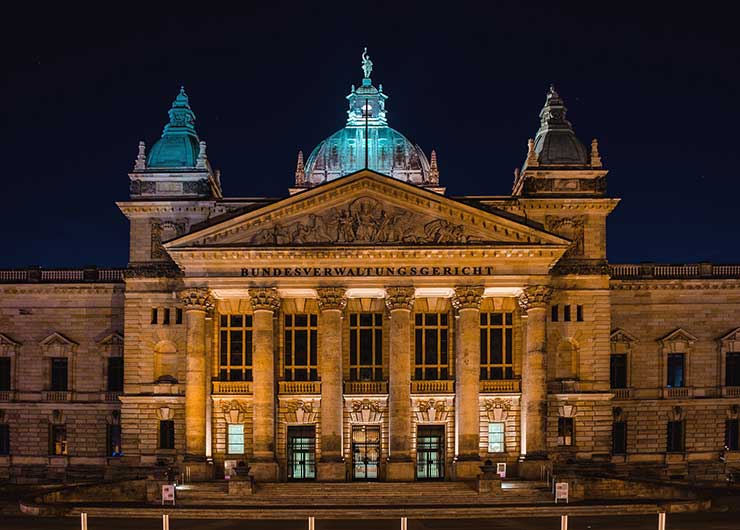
561	492
228	466
168	494
501	469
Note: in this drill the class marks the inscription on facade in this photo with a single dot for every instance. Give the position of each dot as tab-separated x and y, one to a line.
261	272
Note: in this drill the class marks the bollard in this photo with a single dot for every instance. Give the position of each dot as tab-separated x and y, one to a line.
661	521
83	521
563	522
404	523
311	523
165	522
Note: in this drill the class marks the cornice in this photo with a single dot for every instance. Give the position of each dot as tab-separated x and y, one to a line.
62	289
671	285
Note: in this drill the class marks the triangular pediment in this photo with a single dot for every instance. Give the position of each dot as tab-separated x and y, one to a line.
679	335
112	339
57	339
7	341
732	336
620	335
367	209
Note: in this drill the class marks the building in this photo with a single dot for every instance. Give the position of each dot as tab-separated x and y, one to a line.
369	327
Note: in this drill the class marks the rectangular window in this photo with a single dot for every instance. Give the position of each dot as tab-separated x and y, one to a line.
235	348
579	313
496	346
618	370
301	350
619	438
732	368
154	315
114	440
732	434
59	374
431	353
4	439
4	374
675	441
178	315
115	374
366	347
166	434
554	316
496	441
301	446
166	316
236	439
566	313
676	370
565	431
58	440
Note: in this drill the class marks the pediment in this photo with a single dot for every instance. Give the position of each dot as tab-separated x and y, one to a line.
367	209
620	335
112	339
679	335
7	345
57	344
731	339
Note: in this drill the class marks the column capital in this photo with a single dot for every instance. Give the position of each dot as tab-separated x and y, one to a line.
196	299
332	298
264	298
399	298
535	296
467	297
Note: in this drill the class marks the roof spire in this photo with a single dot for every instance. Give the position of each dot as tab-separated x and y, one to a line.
433	169
181	147
367	64
141	157
300	172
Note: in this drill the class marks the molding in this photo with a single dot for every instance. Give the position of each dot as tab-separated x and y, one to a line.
671	285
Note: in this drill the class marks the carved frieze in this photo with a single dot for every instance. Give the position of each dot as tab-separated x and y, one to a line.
300	412
197	299
264	298
164	230
234	411
535	296
153	270
497	409
570	228
366	411
432	410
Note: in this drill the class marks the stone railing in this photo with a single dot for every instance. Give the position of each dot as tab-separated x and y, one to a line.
677	392
656	271
501	385
731	391
232	387
622	393
432	387
38	275
299	387
111	395
366	387
57	395
6	395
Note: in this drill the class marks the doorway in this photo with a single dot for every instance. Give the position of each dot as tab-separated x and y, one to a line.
365	452
430	454
301	452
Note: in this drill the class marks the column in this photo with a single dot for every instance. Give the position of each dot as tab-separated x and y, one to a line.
534	302
196	302
400	301
265	304
466	302
332	301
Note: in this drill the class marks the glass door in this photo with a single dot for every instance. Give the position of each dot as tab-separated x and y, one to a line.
301	452
365	452
430	457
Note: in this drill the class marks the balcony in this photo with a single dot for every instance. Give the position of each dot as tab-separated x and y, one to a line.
731	391
622	393
299	387
111	395
232	387
501	385
6	395
57	395
432	387
366	387
677	392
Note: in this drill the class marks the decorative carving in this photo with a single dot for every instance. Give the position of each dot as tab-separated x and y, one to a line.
497	409
264	298
595	156
197	299
234	411
399	298
676	414
618	414
300	171
300	412
581	267
165	413
140	163
332	298
202	157
163	230
57	417
432	410
367	64
531	155
567	411
535	296
467	297
153	270
570	228
57	345
196	187
366	411
433	179
142	187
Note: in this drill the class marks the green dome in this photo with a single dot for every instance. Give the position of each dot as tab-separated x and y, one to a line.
179	145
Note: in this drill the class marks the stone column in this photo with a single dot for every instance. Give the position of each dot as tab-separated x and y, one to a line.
196	302
332	301
534	302
466	302
265	304
400	301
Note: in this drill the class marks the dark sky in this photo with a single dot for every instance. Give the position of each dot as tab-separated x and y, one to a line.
657	84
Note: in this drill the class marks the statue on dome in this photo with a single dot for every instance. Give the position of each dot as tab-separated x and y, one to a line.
367	64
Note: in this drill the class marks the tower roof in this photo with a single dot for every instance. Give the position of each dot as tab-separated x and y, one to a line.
556	143
179	145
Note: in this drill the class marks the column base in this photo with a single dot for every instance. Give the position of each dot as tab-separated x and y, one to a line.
331	471
265	471
535	466
400	471
466	468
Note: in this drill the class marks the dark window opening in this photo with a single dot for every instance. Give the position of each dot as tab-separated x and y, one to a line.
496	346
58	440
675	441
431	350
732	434
178	315
579	313
566	313
618	370
166	434
565	431
115	374
155	315
4	374
235	348
732	368
166	316
59	374
4	439
366	347
301	348
114	440
554	316
676	370
619	437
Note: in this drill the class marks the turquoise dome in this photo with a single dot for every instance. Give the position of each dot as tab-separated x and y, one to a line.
179	145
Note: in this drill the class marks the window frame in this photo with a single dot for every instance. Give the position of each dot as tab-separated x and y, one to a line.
612	370
4	439
291	330
501	433
55	428
732	434
442	327
166	437
9	361
375	329
675	443
54	385
230	445
226	329
487	328
623	449
109	439
565	439
670	381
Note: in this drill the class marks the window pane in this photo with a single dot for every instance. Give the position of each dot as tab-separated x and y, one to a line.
236	439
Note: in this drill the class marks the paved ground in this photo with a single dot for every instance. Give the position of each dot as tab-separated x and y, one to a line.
703	521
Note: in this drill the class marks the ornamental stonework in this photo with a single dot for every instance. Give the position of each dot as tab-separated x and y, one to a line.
300	412
432	410
497	409
399	298
467	297
198	299
264	298
332	298
164	230
366	411
570	228
234	411
535	296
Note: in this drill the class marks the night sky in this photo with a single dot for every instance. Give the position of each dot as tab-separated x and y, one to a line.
657	85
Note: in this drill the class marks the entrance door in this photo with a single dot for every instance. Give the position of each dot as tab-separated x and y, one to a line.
365	451
301	452
430	455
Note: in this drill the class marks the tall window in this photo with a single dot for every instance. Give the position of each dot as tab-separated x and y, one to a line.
115	374
235	348
301	356
732	434
732	368
565	431
676	370
59	374
431	346
366	346
496	441
675	438
618	370
166	434
4	374
496	345
58	440
166	316
566	313
619	437
114	440
235	439
4	439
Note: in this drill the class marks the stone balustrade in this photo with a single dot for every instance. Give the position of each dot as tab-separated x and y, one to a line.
432	387
677	392
366	387
646	271
57	395
232	387
622	393
501	385
299	387
38	275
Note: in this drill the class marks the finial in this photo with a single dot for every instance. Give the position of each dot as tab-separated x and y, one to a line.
516	174
531	154
367	64
433	169
141	157
201	162
595	156
300	171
